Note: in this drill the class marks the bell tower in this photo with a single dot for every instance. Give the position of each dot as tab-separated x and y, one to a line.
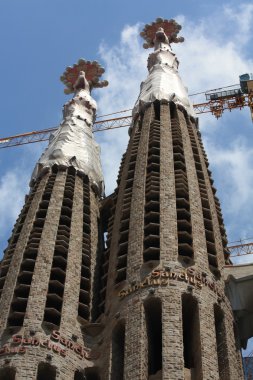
47	273
150	303
167	315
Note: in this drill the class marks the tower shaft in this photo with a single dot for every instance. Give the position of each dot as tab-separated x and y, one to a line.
166	311
165	292
47	273
150	303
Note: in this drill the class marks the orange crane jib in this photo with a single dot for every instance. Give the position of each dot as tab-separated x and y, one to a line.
216	105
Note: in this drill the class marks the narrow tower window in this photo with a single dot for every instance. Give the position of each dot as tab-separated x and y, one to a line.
153	316
118	348
46	371
91	374
157	109
221	344
98	273
79	375
7	373
191	337
130	161
184	223
59	265
102	265
206	209
151	249
84	295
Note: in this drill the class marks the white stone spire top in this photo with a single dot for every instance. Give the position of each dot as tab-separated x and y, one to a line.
73	143
163	81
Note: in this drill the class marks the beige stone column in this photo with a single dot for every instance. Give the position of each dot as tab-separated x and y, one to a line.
208	339
234	352
73	272
136	225
172	335
216	227
94	235
168	210
39	286
135	365
198	228
18	254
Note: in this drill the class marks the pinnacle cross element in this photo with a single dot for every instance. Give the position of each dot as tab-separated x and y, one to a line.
73	143
161	31
163	81
83	73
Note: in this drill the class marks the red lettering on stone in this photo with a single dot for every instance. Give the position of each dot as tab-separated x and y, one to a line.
55	335
17	339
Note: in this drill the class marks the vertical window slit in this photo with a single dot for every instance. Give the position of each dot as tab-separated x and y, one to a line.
102	225
105	257
217	204
125	211
54	301
153	316
221	343
84	295
118	351
46	371
151	244
105	224
191	338
184	224
206	210
8	373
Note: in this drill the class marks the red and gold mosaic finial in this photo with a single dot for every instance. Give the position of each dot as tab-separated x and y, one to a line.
170	28
93	71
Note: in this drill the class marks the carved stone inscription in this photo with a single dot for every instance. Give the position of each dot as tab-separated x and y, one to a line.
56	343
162	277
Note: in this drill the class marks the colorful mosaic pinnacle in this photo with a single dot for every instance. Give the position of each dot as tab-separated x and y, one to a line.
170	27
93	71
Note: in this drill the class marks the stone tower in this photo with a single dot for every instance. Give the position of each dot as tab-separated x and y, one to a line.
47	273
162	286
149	304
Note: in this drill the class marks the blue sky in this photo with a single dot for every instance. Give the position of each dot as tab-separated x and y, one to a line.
40	38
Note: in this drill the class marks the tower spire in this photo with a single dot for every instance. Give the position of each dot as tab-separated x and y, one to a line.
163	81
73	143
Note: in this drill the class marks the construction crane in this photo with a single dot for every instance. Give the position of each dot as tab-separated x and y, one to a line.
217	101
44	134
241	248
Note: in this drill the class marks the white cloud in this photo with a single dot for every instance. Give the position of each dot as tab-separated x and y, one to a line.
212	57
234	167
13	186
241	18
125	69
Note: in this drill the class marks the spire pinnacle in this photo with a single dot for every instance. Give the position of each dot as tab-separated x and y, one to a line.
83	75
73	143
163	81
161	31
